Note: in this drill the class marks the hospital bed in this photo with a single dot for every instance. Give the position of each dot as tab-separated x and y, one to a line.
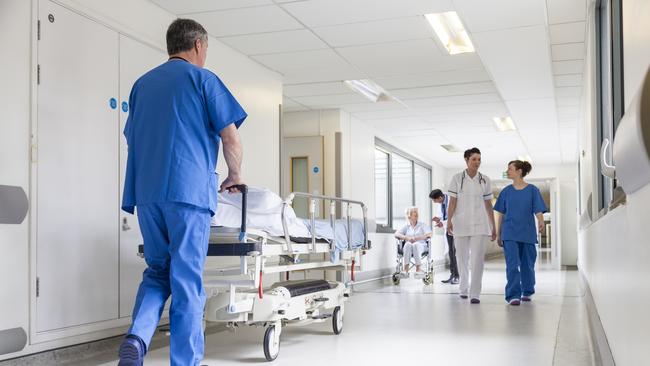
237	297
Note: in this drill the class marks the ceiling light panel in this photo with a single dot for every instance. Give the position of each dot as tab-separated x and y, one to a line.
451	32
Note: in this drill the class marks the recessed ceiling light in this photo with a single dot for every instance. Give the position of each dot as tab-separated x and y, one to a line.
451	32
504	123
369	89
450	148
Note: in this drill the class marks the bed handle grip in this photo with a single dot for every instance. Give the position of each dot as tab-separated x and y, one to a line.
244	204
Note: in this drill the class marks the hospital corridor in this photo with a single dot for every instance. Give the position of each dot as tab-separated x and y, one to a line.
324	182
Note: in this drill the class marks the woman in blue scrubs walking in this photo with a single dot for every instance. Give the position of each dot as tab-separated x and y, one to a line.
519	204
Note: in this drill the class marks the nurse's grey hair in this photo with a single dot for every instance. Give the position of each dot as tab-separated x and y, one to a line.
182	34
409	210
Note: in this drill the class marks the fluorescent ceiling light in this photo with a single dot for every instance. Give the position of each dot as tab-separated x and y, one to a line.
525	158
369	89
450	148
504	123
451	32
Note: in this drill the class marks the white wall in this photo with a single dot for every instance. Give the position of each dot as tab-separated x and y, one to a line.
614	251
14	159
258	89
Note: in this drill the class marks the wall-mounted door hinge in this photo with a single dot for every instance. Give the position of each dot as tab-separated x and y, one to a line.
38	74
38	30
38	287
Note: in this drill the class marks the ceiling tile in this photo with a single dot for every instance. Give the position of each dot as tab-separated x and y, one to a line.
518	60
567	32
568	80
447	90
454	100
418	56
330	100
568	67
564	11
481	15
325	74
246	21
318	59
318	13
567	101
194	6
569	91
383	31
305	90
568	51
438	78
381	107
276	42
289	105
399	112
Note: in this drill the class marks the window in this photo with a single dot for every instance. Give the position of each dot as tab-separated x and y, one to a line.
610	98
381	187
402	178
401	181
422	182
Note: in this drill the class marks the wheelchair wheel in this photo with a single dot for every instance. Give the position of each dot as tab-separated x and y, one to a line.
428	279
396	279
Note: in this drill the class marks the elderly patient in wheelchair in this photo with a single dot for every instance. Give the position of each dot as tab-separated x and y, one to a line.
415	237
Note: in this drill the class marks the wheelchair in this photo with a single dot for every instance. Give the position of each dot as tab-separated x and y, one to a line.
427	264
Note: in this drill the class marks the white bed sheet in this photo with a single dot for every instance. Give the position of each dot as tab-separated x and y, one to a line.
264	212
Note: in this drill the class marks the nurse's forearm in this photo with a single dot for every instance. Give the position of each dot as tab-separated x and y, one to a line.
451	209
233	151
490	212
499	221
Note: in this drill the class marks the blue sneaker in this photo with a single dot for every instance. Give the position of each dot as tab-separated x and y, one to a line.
132	351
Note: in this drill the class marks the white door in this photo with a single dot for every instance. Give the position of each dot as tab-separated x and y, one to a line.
135	60
76	171
303	155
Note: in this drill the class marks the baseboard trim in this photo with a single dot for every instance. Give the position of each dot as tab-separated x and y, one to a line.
602	352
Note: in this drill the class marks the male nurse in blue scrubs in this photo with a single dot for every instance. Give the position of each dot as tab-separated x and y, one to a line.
179	113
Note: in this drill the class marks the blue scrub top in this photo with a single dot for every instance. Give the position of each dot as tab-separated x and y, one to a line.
519	208
177	112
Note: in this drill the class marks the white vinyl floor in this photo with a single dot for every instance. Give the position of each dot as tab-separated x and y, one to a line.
413	324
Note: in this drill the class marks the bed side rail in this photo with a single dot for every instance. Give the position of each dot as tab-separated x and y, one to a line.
312	216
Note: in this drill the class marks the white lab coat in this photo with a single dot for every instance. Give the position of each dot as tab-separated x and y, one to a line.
472	228
470	217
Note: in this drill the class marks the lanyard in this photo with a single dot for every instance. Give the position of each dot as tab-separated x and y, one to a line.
177	58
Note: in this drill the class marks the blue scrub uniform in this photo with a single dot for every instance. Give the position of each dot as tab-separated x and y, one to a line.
177	112
519	236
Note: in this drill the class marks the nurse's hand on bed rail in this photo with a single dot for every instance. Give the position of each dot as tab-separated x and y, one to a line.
231	184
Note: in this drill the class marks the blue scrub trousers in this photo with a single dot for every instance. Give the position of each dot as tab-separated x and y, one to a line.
520	268
175	246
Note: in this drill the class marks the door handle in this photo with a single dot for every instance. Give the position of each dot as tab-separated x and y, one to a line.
606	169
125	224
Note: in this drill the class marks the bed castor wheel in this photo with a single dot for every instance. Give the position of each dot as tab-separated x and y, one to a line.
428	279
396	279
337	320
271	344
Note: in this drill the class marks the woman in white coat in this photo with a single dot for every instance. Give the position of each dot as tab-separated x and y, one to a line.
471	222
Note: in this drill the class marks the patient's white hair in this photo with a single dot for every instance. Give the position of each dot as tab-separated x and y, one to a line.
409	211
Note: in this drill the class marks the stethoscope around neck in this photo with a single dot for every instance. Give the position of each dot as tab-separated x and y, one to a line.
481	180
